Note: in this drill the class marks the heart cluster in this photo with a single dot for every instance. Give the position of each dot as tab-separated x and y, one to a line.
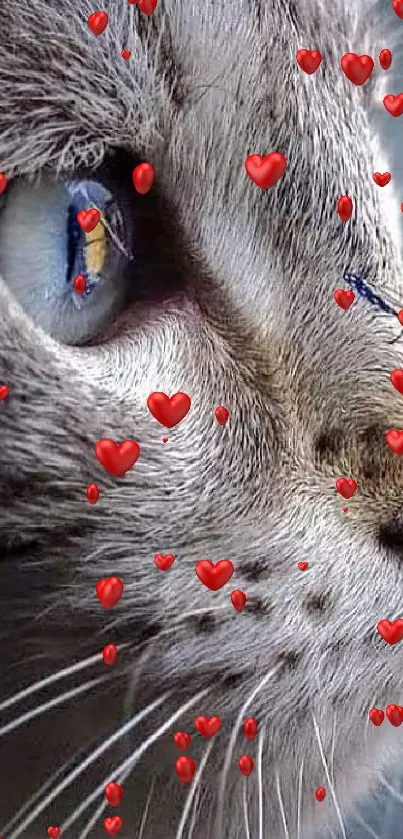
394	714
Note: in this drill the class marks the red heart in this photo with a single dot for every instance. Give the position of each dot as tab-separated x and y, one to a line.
250	728
185	768
238	600
113	825
308	60
343	298
4	391
208	727
382	179
357	68
148	6
182	739
80	284
303	566
391	631
215	576
125	54
320	794
88	219
143	178
345	207
394	714
346	487
169	411
92	493
53	832
221	414
396	378
109	591
109	654
394	104
3	182
98	22
394	440
246	764
400	312
117	458
398	7
376	716
266	171
113	794
385	59
164	561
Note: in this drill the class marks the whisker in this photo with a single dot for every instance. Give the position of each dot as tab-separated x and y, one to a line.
146	809
366	826
333	748
299	806
245	809
192	790
329	780
397	795
281	805
194	814
125	769
84	765
46	706
260	781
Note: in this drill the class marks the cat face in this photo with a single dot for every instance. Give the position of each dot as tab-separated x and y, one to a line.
230	300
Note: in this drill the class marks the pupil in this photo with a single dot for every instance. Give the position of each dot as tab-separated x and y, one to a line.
73	240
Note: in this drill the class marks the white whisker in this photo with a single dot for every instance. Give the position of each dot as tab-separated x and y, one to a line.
281	805
299	805
125	769
366	826
245	809
260	780
329	780
192	791
394	792
84	765
146	809
46	706
333	748
194	814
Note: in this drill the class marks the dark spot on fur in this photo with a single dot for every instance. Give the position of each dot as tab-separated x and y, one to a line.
317	604
203	624
290	659
256	606
329	445
255	571
233	681
391	536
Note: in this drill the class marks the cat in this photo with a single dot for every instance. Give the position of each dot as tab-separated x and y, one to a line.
233	305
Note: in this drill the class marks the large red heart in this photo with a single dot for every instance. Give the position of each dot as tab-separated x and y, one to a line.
109	591
266	171
394	440
357	68
396	378
309	60
4	391
148	6
185	768
346	487
98	22
88	219
113	794
394	104
394	714
169	411
391	631
398	7
164	561
117	458
376	716
113	825
208	726
214	576
381	179
344	298
53	832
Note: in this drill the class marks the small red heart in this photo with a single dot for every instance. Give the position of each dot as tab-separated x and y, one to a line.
169	411
185	768
208	727
343	298
125	54
320	793
396	378
143	178
391	631
164	561
394	104
357	68
266	171
113	825
165	439
4	391
109	591
221	414
345	207
303	566
182	739
117	458
113	794
215	576
53	832
398	7
246	764
400	312
309	60
250	728
92	493
88	219
346	487
394	440
394	714
3	182
148	6
80	284
109	654
385	59
98	22
382	179
376	716
238	600
344	509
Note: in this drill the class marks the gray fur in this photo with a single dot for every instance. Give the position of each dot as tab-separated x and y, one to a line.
257	330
